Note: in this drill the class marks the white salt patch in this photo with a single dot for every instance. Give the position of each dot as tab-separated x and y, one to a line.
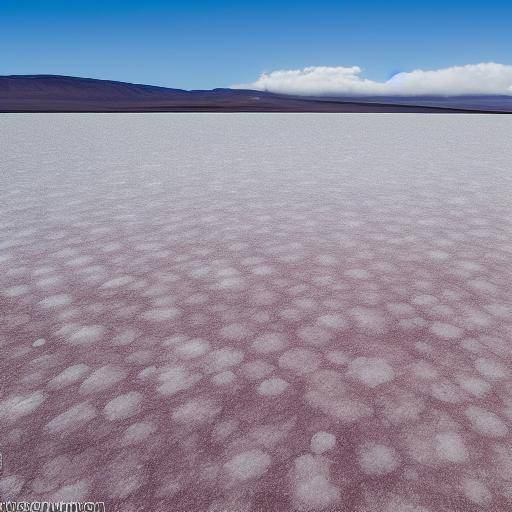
16	291
316	493
358	273
377	459
269	342
55	301
311	486
197	410
299	360
491	369
161	314
224	429
262	317
159	293
117	282
332	321
174	341
137	432
450	447
10	487
73	418
483	286
70	493
197	298
68	376
125	337
248	465
371	371
469	265
66	253
472	345
446	331
163	302
48	282
231	283
447	392
290	314
327	391
322	442
424	370
425	300
125	477
87	335
235	332
123	406
257	369
224	378
176	379
227	272
438	255
225	357
140	357
79	261
263	270
39	342
476	492
147	372
44	360
485	422
168	488
305	304
269	436
5	257
102	378
327	259
337	357
193	348
499	310
251	260
368	320
272	387
474	385
474	318
15	407
314	335
402	407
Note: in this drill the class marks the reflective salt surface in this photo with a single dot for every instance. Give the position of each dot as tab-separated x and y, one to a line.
257	312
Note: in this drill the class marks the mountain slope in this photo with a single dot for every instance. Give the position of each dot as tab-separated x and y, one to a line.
52	93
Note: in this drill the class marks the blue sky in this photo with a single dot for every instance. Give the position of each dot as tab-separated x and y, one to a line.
206	44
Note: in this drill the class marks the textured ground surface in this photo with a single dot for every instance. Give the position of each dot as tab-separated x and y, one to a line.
257	312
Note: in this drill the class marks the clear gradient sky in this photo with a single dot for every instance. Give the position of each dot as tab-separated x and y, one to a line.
206	44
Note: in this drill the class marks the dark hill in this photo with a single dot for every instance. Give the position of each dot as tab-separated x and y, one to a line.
52	93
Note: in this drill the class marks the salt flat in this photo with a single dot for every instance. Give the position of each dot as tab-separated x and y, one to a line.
257	312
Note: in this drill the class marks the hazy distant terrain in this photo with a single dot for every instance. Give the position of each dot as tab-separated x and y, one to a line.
257	312
48	93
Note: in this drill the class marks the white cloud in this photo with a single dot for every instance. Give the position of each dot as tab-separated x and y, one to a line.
483	78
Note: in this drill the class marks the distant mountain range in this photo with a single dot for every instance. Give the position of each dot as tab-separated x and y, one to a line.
53	93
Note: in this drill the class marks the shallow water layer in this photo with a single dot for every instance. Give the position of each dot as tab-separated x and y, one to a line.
257	312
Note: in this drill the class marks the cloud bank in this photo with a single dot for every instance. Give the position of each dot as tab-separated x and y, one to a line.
483	78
